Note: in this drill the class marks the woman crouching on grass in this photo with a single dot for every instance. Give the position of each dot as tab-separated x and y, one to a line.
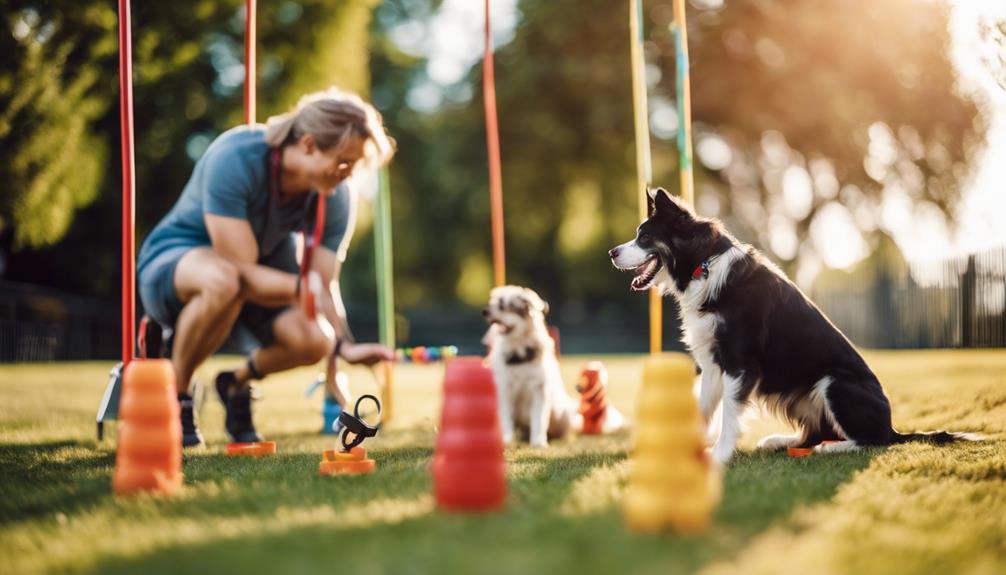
221	266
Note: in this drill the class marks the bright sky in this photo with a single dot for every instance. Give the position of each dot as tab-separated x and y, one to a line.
452	42
984	206
921	231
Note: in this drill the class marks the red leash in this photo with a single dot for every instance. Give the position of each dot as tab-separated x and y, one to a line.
311	237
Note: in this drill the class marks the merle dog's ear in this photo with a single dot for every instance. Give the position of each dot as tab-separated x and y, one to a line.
534	300
520	305
650	193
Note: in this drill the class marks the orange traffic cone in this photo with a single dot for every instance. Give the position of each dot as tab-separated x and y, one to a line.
672	483
593	398
469	472
149	452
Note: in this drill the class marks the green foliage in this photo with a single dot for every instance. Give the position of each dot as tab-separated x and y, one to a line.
865	90
826	79
900	510
50	96
188	79
566	131
824	84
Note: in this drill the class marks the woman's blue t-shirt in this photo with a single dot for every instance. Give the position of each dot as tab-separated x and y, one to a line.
232	179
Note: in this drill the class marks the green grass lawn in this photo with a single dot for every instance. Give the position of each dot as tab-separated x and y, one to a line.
908	509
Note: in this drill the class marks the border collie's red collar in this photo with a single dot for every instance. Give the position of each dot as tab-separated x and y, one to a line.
702	270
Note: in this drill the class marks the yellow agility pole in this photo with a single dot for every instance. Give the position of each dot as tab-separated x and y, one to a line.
644	171
680	30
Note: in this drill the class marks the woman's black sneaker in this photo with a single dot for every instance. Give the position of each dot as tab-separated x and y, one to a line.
237	403
190	429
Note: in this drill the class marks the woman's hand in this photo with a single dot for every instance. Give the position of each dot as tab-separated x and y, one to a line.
366	353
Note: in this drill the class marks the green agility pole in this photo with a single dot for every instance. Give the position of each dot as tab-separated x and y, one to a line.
680	30
385	281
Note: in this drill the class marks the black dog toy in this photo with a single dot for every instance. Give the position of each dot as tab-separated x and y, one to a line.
356	426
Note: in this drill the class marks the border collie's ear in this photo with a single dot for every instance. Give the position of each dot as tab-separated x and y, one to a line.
650	193
665	204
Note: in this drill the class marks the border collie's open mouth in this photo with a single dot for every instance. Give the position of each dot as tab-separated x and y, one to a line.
645	273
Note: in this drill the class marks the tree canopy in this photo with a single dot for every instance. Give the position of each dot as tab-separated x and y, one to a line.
800	109
59	90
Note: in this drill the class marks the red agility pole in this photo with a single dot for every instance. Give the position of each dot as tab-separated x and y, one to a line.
495	170
128	184
250	17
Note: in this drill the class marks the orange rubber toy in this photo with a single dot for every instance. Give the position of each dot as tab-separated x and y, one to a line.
593	397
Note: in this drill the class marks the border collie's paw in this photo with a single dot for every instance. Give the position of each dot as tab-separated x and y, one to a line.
778	441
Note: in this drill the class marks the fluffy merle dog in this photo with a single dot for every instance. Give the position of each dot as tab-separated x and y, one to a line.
529	389
755	335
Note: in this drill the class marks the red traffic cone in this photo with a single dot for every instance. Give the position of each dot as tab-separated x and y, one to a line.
149	452
469	472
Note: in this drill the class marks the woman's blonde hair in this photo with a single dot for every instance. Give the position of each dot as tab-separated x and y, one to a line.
332	117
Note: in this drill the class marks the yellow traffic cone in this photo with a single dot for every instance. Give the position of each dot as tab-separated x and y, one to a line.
673	485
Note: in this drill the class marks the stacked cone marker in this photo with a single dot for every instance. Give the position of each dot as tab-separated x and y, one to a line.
352	462
149	452
469	472
673	485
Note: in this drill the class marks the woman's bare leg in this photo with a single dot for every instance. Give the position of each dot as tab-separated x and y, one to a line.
298	342
209	286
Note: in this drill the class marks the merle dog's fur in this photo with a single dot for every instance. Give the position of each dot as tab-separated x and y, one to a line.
755	335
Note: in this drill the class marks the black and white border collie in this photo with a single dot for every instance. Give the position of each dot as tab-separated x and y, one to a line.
755	335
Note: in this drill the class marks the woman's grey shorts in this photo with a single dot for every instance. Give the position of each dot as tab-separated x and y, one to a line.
253	327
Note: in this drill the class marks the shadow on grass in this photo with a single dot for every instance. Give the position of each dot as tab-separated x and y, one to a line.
532	533
41	479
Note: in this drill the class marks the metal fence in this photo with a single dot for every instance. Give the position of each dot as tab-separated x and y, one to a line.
957	302
40	324
887	303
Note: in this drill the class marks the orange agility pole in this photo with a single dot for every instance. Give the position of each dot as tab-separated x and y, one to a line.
493	144
250	17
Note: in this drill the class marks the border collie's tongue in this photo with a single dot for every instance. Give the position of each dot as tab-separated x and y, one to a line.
645	273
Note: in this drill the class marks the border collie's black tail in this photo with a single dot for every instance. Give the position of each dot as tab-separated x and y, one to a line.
934	437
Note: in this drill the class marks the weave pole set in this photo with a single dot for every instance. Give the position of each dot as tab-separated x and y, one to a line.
128	256
383	253
382	223
644	170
